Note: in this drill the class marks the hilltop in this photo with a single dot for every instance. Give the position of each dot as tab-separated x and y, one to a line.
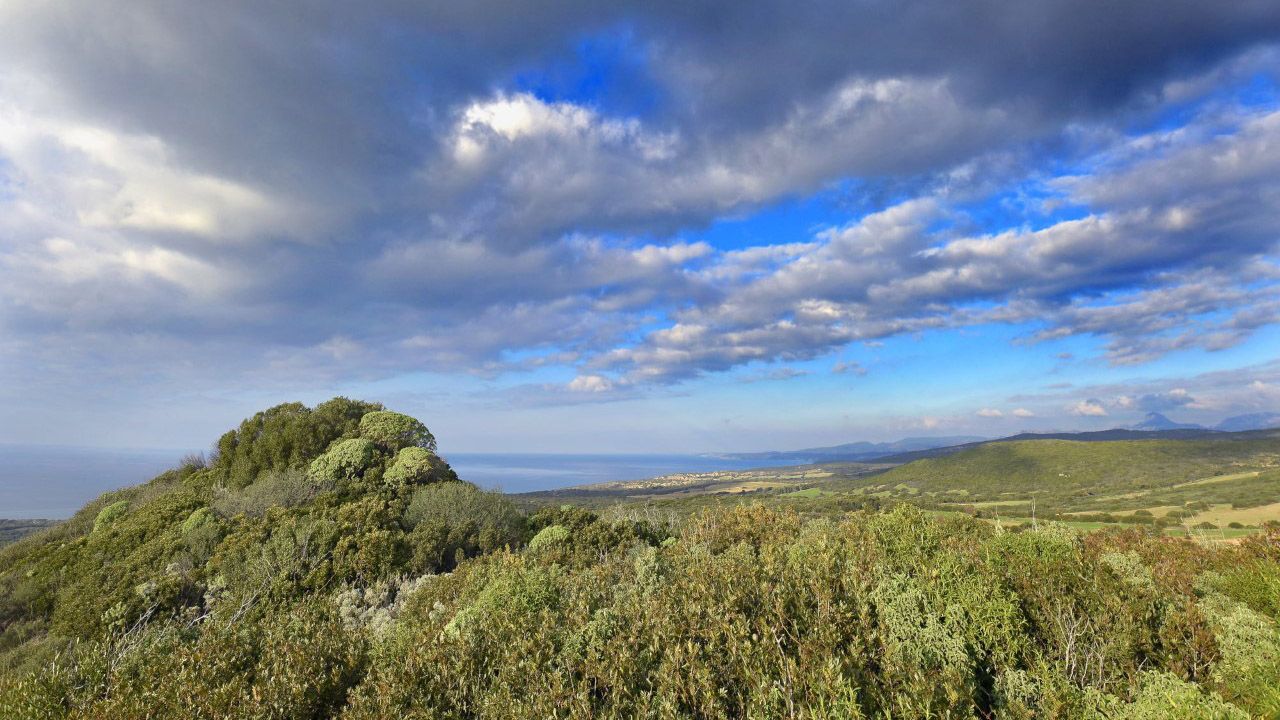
326	562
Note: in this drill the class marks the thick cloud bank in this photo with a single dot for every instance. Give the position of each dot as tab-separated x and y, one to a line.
254	194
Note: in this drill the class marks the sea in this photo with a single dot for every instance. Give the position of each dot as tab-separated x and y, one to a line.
54	482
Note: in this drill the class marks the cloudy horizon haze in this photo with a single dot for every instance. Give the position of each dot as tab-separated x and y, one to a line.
638	227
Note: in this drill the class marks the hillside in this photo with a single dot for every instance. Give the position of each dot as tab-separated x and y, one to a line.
1088	436
325	562
1240	470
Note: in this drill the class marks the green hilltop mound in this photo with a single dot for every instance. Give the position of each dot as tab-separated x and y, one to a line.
326	562
1242	471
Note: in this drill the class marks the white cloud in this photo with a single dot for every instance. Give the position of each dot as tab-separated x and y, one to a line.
849	367
1088	408
1023	413
990	413
379	205
101	178
590	384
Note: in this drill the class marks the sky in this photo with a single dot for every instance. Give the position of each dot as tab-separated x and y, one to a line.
638	227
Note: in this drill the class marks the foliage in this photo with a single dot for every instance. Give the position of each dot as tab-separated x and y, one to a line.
393	431
302	585
549	537
108	514
284	436
275	488
416	466
455	520
344	461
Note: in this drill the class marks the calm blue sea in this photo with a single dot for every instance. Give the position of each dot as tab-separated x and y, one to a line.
515	473
54	482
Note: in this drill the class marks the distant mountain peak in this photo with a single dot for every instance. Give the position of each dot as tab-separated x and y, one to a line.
1157	421
856	451
1250	421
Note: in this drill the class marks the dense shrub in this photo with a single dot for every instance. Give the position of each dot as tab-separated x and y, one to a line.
344	461
452	520
393	431
415	466
285	436
275	488
109	513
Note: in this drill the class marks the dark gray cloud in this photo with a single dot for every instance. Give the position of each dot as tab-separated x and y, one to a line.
1158	402
351	189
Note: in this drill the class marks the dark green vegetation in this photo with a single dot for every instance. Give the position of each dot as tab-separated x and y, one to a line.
326	563
11	530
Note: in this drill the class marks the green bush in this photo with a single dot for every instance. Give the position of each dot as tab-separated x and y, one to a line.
394	431
108	514
414	466
344	461
285	436
1250	646
279	489
549	537
198	518
1163	696
455	519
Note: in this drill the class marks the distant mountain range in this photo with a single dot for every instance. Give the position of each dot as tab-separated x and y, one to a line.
856	451
1154	426
1238	423
1252	421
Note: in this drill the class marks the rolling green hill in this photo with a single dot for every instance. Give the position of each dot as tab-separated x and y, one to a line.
1241	470
327	563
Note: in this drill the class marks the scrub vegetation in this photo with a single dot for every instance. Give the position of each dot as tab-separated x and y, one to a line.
325	562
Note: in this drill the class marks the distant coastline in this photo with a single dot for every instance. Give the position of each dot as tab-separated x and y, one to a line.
45	481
